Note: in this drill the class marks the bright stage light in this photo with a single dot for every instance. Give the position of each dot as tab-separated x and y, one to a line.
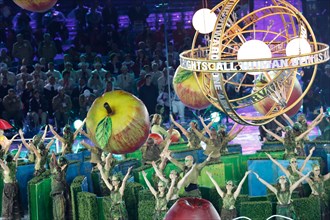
298	46
204	20
254	49
77	124
215	116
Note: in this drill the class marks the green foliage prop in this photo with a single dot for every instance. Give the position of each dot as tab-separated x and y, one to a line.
87	206
260	210
74	189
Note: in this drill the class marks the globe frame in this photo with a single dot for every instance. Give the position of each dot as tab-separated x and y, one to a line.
216	59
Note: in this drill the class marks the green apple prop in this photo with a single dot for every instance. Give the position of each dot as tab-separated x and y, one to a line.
187	89
118	121
36	5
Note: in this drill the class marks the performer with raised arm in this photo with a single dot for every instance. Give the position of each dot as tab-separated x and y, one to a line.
191	187
173	175
193	140
68	137
60	191
292	171
156	126
301	126
283	192
228	211
10	194
162	197
117	187
152	151
40	153
290	141
317	183
5	143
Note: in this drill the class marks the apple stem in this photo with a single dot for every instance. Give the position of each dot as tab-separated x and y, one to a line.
108	108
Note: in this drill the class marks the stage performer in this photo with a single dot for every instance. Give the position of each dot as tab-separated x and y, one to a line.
156	126
60	191
228	211
40	153
290	141
283	192
10	194
68	137
117	187
162	197
317	183
193	140
191	187
292	171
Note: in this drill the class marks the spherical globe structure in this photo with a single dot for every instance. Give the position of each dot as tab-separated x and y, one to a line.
204	20
274	42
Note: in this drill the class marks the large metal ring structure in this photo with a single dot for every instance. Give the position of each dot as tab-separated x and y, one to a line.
218	62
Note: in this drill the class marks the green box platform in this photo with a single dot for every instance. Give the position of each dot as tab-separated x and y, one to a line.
40	202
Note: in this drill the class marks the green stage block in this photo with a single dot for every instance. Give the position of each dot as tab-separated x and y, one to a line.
75	188
179	146
138	177
218	173
235	161
103	204
87	206
40	202
259	210
307	208
96	182
136	154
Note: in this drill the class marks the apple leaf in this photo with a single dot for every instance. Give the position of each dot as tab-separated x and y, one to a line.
182	76
103	131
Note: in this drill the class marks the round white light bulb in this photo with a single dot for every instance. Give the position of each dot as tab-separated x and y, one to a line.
204	20
254	49
298	46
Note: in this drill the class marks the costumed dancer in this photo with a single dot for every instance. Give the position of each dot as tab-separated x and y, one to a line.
283	192
5	143
301	127
193	140
190	184
162	197
40	152
68	137
59	188
292	171
228	211
117	187
317	183
172	176
156	126
222	134
290	141
10	194
152	151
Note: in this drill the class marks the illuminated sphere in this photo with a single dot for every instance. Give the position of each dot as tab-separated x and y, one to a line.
298	46
36	5
204	20
254	49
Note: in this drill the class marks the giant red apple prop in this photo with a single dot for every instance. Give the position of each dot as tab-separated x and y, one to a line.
118	122
156	137
192	209
187	89
36	5
266	104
